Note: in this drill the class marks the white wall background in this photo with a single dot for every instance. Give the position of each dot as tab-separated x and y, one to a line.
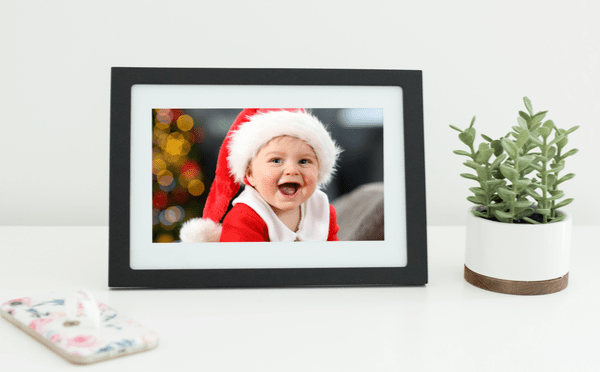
478	58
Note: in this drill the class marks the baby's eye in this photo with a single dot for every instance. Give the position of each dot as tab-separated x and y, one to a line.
276	160
305	161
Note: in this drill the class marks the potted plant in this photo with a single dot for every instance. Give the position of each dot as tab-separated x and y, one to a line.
518	237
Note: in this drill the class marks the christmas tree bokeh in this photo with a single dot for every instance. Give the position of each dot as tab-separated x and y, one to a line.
178	180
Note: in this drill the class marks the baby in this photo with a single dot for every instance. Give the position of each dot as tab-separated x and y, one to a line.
281	156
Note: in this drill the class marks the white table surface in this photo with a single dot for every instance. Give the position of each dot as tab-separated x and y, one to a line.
448	325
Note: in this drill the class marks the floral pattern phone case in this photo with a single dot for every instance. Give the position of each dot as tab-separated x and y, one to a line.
78	328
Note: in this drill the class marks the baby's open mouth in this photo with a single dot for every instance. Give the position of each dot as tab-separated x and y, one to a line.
289	188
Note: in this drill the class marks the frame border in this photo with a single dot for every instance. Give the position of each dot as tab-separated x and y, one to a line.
120	274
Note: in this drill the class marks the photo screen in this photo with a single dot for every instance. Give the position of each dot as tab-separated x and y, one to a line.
185	148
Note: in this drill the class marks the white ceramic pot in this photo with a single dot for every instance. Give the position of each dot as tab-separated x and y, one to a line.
510	257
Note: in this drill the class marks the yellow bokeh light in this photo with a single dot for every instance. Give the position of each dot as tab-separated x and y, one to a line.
173	214
165	178
183	181
164	116
158	165
160	138
174	147
185	123
196	187
172	159
165	238
161	126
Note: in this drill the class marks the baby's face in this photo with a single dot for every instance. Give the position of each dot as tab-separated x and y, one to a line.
284	172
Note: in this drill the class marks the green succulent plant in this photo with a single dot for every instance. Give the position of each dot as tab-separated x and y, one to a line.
518	174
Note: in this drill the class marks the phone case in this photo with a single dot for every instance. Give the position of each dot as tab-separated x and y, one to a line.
78	328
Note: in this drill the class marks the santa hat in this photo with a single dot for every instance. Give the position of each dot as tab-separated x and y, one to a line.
252	129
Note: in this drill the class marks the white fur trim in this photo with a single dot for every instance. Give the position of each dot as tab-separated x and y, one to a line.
200	230
262	127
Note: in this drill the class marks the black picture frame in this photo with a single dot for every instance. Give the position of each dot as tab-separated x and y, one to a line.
121	274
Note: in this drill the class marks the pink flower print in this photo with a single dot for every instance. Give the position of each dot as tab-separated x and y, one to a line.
82	341
20	301
150	339
80	310
38	324
55	338
57	314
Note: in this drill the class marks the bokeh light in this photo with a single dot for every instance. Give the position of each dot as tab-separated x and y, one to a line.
164	116
164	178
185	123
177	176
164	238
158	165
196	187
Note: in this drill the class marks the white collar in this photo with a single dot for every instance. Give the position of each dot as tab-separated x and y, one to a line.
314	217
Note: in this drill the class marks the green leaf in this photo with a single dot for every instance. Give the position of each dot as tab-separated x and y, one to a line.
523	203
551	152
544	132
510	147
551	179
520	185
535	140
550	125
543	211
565	178
461	152
483	173
477	191
492	185
497	161
560	217
509	173
474	200
537	118
537	167
523	162
466	138
469	176
471	164
472	122
555	168
531	192
563	203
534	126
562	143
497	146
524	115
530	220
522	138
570	153
486	138
456	128
484	154
528	105
506	216
571	130
522	122
506	194
556	194
496	206
478	214
556	139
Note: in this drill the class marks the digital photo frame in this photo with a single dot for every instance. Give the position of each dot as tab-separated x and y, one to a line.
167	126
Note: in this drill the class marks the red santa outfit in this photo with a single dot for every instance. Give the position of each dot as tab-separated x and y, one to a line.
252	218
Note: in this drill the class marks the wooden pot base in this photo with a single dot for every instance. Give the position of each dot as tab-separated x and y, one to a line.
516	287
